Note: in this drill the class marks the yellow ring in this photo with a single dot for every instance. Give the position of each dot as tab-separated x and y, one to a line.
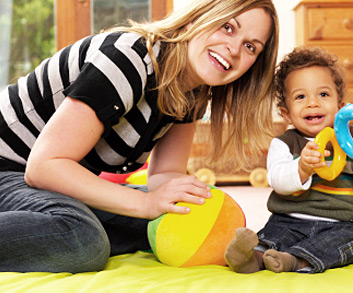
339	156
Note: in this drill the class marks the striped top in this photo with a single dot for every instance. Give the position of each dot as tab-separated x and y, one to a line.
110	72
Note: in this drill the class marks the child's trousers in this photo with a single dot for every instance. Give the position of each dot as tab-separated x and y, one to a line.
323	244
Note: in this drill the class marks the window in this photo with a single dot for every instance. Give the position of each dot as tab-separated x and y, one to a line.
107	13
32	30
74	19
27	36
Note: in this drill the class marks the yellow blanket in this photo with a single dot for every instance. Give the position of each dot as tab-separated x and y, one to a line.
141	272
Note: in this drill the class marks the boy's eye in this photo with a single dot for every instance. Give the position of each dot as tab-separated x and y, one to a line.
299	97
324	94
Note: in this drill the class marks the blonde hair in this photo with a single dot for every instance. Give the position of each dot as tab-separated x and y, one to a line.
246	103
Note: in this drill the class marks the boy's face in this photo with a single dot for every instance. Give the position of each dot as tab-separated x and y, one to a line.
311	99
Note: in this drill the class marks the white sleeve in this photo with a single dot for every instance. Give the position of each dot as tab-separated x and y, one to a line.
283	175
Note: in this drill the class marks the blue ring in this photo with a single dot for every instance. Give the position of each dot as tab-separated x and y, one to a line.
342	131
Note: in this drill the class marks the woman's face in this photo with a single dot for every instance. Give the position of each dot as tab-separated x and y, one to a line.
225	55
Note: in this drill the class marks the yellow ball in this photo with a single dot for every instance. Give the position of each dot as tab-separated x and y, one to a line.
199	237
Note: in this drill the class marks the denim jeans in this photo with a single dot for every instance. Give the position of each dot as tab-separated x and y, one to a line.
47	231
323	244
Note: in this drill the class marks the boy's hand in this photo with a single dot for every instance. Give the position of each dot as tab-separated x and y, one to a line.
310	159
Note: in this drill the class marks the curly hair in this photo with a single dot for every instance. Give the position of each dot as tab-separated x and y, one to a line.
304	57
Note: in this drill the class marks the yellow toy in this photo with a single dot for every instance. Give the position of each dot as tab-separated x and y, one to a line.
138	178
339	156
200	237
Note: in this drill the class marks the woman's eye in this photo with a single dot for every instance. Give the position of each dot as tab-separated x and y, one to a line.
251	48
228	28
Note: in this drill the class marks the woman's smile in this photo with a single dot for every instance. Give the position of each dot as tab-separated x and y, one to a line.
220	62
222	56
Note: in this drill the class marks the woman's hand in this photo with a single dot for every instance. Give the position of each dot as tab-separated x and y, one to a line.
310	159
74	130
167	181
182	189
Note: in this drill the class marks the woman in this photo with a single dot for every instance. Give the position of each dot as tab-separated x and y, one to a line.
122	94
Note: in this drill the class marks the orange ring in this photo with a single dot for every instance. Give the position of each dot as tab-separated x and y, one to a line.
339	156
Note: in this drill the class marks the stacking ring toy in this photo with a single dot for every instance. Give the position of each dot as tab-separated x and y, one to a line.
339	156
341	126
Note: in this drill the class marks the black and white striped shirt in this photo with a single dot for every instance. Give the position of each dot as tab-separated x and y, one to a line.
113	74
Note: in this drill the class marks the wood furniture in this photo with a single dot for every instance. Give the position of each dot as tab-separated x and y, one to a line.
199	165
328	24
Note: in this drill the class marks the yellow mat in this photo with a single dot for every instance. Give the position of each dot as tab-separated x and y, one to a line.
141	272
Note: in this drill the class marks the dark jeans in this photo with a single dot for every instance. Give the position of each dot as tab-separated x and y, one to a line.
47	231
323	244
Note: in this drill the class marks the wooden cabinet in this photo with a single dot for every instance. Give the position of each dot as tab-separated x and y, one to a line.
328	24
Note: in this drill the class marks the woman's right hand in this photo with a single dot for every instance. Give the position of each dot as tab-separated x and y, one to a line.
186	189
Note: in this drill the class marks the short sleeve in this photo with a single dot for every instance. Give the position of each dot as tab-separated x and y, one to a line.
112	77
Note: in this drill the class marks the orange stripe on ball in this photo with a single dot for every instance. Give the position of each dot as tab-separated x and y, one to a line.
179	236
213	248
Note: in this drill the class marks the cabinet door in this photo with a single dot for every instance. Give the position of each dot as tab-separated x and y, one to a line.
345	57
330	24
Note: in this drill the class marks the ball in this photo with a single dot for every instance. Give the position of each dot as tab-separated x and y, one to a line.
199	237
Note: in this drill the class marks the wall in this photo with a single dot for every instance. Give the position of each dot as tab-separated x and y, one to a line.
286	20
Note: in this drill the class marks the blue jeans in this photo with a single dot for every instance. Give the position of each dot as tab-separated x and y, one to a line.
47	231
323	244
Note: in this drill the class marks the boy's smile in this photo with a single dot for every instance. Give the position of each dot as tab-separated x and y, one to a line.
312	100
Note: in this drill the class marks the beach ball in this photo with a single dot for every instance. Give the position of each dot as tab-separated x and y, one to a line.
199	237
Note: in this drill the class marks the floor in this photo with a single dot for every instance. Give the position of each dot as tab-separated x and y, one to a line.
253	201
